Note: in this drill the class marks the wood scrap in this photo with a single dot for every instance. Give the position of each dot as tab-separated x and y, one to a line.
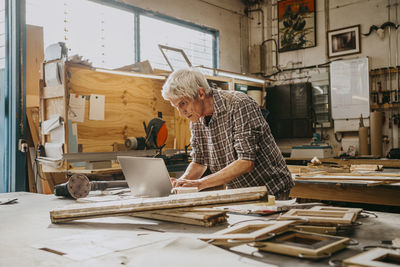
365	167
193	216
126	207
328	169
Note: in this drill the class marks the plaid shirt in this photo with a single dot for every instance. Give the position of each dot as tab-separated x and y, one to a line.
237	130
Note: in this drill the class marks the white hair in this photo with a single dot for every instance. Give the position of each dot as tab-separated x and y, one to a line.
184	83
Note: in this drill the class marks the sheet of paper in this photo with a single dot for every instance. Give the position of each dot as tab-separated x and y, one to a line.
57	134
76	111
54	150
86	246
96	109
52	74
51	124
187	250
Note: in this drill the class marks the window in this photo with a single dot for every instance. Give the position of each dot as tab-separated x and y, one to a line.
102	34
105	33
197	45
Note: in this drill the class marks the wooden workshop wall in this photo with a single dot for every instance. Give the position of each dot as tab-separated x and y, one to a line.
34	59
129	101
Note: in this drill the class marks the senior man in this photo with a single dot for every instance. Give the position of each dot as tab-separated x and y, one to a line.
230	137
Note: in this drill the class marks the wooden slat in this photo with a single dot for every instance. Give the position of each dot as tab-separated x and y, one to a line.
125	207
34	59
32	115
193	216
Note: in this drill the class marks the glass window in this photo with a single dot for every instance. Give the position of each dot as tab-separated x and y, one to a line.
197	45
104	35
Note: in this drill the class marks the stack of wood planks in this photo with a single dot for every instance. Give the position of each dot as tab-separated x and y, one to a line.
166	204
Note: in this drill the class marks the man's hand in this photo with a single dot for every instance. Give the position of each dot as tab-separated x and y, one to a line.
173	181
187	183
184	182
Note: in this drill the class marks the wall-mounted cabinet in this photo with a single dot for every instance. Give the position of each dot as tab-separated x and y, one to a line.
290	110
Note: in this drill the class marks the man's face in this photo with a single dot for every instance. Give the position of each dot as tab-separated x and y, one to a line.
189	108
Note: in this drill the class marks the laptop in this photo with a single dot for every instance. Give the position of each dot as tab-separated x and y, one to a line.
146	177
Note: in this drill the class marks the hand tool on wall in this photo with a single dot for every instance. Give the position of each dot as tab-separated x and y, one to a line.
79	186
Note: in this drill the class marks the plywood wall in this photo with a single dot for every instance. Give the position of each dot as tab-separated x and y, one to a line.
34	59
129	101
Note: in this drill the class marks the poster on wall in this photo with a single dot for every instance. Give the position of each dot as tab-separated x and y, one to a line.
296	24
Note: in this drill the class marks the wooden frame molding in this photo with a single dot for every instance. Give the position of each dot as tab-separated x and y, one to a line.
318	216
303	244
247	232
377	257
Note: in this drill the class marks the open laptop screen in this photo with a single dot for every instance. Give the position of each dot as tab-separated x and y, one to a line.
146	177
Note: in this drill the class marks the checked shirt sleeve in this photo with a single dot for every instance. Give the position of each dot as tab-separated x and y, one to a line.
247	128
196	153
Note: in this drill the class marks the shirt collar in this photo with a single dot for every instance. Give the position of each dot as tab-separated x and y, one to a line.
219	105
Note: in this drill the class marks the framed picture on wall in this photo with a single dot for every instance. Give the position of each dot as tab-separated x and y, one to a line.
344	41
296	24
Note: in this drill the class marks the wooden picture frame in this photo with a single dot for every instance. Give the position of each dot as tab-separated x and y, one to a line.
344	41
357	211
247	232
296	24
319	217
304	244
377	257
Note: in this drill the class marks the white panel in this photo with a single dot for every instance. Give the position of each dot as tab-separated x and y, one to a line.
350	88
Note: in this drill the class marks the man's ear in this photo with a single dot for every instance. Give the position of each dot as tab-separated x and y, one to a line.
201	93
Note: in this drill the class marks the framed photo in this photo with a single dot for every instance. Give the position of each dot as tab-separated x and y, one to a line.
343	42
296	24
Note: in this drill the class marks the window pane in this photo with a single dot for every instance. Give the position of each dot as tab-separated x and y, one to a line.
91	30
196	44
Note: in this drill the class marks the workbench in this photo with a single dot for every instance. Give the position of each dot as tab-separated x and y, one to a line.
347	191
385	162
25	226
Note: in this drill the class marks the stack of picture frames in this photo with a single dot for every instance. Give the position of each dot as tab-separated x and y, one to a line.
298	233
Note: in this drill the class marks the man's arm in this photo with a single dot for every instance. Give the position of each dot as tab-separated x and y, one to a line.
227	174
193	171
